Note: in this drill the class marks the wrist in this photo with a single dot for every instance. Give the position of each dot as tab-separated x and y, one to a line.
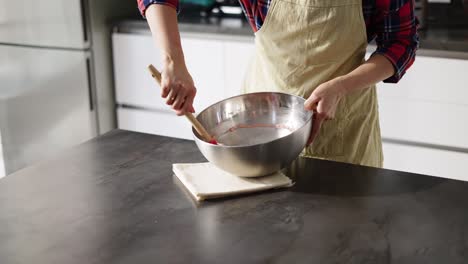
173	58
343	84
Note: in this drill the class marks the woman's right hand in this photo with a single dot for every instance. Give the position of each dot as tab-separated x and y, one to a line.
178	88
176	83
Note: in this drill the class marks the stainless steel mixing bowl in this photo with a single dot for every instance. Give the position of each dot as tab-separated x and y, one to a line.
258	133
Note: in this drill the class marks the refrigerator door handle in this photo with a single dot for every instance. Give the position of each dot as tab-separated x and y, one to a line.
84	19
90	84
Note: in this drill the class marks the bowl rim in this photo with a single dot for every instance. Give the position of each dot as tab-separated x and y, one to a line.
198	139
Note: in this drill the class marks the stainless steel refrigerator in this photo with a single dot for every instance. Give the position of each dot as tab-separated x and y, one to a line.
55	75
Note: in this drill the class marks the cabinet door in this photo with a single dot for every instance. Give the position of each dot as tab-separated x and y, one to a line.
447	164
428	104
135	86
204	59
237	58
424	122
164	123
438	80
45	105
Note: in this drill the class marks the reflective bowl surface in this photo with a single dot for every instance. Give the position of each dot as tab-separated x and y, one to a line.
258	133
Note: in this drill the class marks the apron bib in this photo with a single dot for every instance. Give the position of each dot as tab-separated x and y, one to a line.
304	43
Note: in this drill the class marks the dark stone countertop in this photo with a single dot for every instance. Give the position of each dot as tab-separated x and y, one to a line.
433	39
115	200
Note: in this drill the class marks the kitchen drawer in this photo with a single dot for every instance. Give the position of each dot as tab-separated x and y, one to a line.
165	123
134	85
427	122
427	161
431	79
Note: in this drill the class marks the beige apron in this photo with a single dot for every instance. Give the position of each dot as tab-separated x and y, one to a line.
304	43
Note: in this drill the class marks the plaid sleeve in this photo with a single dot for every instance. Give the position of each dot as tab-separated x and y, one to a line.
397	38
255	11
144	4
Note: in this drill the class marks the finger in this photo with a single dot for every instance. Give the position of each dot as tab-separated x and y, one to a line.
322	110
171	96
315	131
180	112
325	109
311	103
188	105
192	109
316	124
179	100
165	89
165	86
183	109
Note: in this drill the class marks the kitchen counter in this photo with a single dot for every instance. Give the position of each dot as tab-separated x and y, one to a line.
115	200
434	41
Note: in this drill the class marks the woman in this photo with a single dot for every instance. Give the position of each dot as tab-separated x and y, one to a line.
314	49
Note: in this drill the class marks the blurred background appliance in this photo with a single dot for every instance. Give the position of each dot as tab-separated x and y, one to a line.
206	8
452	14
56	86
420	10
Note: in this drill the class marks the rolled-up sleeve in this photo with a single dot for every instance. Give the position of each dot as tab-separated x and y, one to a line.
397	38
144	4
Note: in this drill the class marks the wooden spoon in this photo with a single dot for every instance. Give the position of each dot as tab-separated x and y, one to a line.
196	124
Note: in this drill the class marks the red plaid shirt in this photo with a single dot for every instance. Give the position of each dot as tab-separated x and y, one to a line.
391	23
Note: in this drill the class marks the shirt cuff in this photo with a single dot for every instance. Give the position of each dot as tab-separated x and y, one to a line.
143	5
398	73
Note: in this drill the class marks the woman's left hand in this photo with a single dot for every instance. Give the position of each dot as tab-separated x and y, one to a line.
324	101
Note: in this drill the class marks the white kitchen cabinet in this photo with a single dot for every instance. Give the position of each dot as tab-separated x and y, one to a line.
237	57
428	107
135	86
442	163
163	123
424	121
132	54
437	80
204	59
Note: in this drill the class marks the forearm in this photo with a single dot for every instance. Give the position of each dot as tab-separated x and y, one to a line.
162	21
374	70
